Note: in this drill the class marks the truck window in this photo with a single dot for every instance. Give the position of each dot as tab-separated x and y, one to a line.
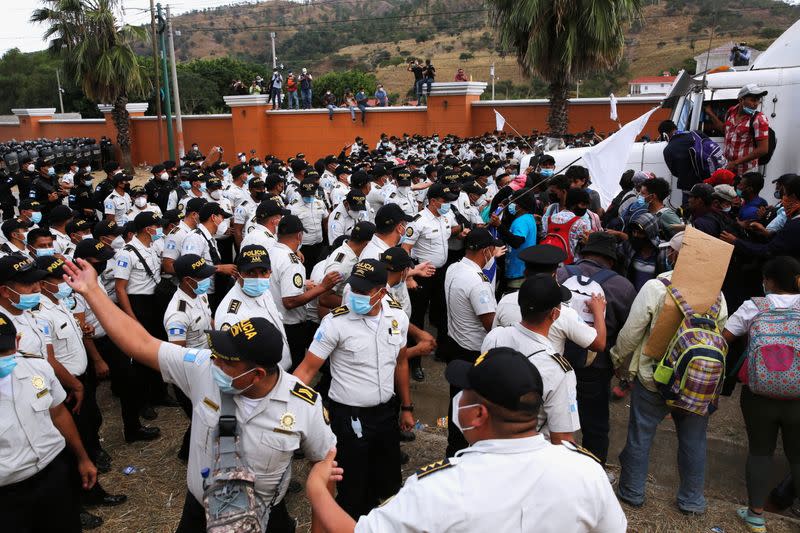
720	108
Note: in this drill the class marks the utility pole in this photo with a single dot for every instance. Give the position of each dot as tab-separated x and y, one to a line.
491	73
167	105
60	97
578	89
274	57
176	94
157	79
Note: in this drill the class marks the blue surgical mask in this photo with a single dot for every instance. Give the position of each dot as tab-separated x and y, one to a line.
225	382
308	199
36	217
158	234
359	303
64	290
203	187
45	252
739	193
749	110
7	364
255	287
640	201
777	195
185	185
444	209
547	172
202	286
51	171
258	169
512	209
88	183
27	301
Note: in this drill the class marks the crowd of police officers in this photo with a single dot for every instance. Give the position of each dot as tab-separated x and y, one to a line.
257	278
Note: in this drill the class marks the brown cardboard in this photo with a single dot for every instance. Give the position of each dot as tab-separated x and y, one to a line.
698	275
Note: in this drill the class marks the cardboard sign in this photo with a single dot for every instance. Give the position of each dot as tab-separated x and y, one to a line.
698	275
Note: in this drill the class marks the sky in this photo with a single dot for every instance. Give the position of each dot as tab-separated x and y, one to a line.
18	32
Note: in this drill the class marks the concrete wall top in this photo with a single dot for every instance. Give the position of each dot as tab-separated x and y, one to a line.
189	117
132	107
395	109
35	112
572	101
246	100
458	88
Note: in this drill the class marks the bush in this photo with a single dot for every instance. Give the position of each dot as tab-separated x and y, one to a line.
770	33
464	56
338	82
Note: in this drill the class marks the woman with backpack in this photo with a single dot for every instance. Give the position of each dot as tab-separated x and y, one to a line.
770	373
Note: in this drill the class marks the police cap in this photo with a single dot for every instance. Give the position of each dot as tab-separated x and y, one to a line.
367	275
18	268
253	256
193	266
542	257
254	340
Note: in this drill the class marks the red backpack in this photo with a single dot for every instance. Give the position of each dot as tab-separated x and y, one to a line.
558	236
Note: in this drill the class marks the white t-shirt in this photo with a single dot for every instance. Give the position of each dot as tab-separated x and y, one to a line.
740	321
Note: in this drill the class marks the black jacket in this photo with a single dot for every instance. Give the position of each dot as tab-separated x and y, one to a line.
679	160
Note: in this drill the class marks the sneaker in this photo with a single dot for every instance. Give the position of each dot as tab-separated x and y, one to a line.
754	523
612	477
620	391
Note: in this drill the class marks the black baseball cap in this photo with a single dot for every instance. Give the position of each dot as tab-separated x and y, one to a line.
8	334
93	248
440	190
254	339
116	178
210	209
193	266
52	265
356	200
702	190
308	187
256	183
270	207
472	188
362	231
107	227
253	256
16	267
290	224
30	205
77	225
12	224
146	219
367	275
341	169
195	205
59	213
501	375
172	215
214	183
390	215
542	256
541	293
601	243
403	176
480	238
396	259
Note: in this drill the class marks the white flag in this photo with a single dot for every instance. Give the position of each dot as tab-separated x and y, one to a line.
608	159
499	121
613	102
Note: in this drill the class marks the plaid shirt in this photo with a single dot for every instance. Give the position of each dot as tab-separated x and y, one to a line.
739	142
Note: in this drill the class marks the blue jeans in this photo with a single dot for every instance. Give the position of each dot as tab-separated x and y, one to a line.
305	95
275	98
330	107
647	411
428	82
352	112
294	102
418	89
363	109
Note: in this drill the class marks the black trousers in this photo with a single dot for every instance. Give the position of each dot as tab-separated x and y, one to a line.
150	316
124	382
89	419
299	337
594	395
455	439
193	519
43	503
312	254
372	462
428	297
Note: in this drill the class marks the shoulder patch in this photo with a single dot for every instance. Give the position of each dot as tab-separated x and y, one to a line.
409	231
339	257
433	467
234	306
305	393
337	215
339	311
416	217
581	450
562	362
293	257
394	304
297	280
182	306
483	277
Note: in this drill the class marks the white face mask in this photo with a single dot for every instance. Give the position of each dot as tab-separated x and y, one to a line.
457	408
164	176
88	170
140	202
30	168
216	194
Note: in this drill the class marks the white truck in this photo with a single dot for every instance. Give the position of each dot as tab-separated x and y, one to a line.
777	71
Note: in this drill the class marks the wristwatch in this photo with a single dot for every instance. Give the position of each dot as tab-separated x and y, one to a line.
407	408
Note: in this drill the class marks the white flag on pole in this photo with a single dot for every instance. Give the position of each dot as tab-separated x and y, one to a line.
499	121
613	102
608	159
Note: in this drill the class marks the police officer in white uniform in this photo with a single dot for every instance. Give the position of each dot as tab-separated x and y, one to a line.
173	241
244	212
37	491
338	191
250	296
344	258
58	218
188	314
140	204
540	300
312	213
380	185
276	414
265	229
403	195
365	341
118	203
347	214
481	489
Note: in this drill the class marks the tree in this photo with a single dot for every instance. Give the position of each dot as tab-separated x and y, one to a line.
339	82
97	56
563	41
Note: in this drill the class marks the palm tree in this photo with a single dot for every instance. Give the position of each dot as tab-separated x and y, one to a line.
562	41
98	56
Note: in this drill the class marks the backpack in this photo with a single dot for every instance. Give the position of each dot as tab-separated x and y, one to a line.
705	156
690	374
582	288
558	236
771	143
770	365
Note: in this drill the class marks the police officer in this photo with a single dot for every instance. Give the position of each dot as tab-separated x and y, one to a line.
345	215
37	491
45	186
403	196
223	234
58	218
188	314
247	208
30	212
276	414
391	227
250	296
287	285
81	197
540	299
265	231
7	199
173	242
340	187
344	258
139	199
481	488
366	343
380	189
14	231
159	187
313	214
24	178
118	202
235	191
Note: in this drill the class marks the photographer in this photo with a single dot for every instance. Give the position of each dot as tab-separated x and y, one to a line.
305	89
275	85
740	55
418	71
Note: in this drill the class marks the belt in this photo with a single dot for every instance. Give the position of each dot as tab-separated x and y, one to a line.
357	411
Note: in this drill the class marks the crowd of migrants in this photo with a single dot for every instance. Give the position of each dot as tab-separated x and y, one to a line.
241	284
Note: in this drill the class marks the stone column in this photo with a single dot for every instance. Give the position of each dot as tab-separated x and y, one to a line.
450	107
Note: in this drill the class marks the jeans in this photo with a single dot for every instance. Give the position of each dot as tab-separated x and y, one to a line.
427	82
274	97
363	109
294	101
352	112
418	90
306	98
647	411
330	107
